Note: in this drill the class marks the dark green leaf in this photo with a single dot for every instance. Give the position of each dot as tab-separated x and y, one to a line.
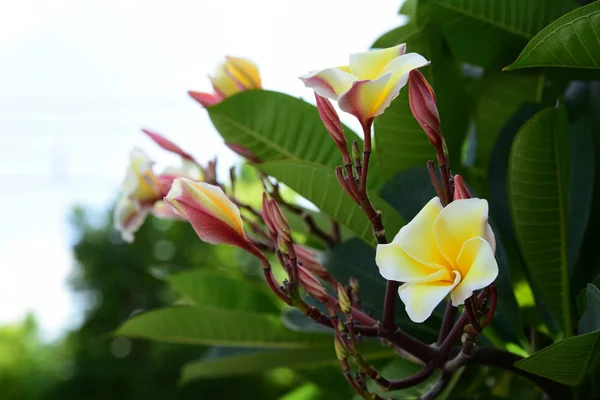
590	321
275	126
539	171
205	287
493	32
582	296
401	143
263	361
319	185
567	361
573	41
401	34
215	326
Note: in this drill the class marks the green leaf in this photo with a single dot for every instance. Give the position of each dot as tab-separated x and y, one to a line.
275	126
590	321
498	97
207	287
539	169
567	361
244	364
353	258
216	326
572	41
582	296
400	142
493	32
319	185
401	34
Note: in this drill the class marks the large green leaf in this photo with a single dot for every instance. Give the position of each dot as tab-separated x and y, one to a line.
538	182
582	296
571	41
590	321
318	184
263	361
401	34
353	258
494	31
207	287
401	143
275	126
498	97
217	326
568	361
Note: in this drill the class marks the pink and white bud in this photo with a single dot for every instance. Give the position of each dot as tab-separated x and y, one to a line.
212	214
461	191
331	120
167	144
312	285
421	98
244	152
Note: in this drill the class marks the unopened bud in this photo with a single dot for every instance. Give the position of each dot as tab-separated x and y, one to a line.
356	153
167	144
343	299
331	120
244	152
461	191
266	214
279	221
311	284
353	282
421	98
340	350
309	260
340	326
282	245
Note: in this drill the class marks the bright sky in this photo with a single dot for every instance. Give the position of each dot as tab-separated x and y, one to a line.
78	79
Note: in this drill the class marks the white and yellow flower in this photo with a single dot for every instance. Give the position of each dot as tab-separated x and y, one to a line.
441	251
367	86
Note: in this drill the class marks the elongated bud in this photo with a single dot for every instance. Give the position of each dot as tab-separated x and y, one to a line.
353	282
281	245
343	299
356	153
311	284
206	99
310	262
244	152
211	213
167	144
461	191
332	122
421	98
340	350
266	214
279	221
340	326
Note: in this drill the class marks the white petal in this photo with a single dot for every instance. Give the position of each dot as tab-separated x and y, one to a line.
395	265
330	82
420	299
479	267
369	64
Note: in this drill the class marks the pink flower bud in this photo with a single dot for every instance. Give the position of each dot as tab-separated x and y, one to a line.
309	260
279	221
206	99
423	106
167	144
311	284
212	214
331	120
461	191
244	152
266	214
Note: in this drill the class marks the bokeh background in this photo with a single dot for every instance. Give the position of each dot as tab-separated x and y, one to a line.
78	80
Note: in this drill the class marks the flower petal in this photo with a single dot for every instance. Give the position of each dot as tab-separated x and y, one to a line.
330	82
490	237
416	237
458	222
478	266
225	83
245	71
396	265
369	64
128	217
420	299
140	182
364	98
206	99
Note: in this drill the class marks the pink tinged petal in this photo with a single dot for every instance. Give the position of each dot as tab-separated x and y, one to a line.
479	267
365	98
329	83
458	222
396	265
416	237
140	182
308	258
368	65
206	99
167	144
420	299
164	210
128	218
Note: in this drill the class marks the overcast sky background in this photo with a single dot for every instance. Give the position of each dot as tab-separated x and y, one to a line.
78	79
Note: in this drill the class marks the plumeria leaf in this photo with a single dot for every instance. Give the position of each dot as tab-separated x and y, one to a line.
202	325
590	321
582	296
250	363
572	41
318	184
568	361
539	171
207	287
493	32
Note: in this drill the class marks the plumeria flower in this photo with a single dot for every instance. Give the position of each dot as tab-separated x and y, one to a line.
441	251
233	76
212	214
367	86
